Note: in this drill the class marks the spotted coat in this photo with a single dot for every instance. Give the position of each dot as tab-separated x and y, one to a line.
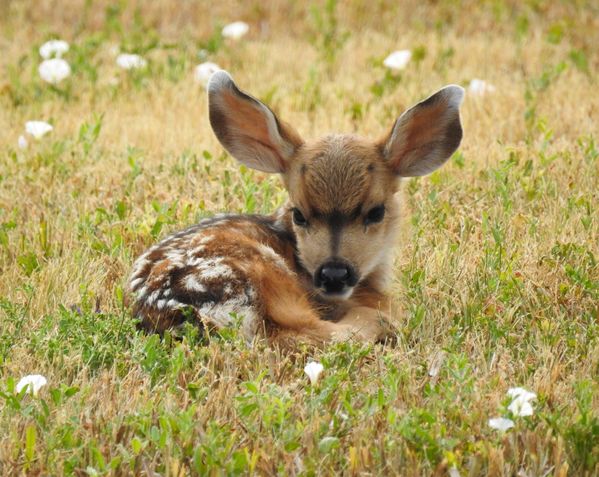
210	273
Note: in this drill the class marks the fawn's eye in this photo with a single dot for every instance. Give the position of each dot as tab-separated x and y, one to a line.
375	215
298	218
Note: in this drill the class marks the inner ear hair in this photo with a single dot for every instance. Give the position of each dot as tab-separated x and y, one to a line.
426	135
247	128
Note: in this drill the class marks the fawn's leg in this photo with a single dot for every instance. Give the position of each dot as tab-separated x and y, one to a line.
286	306
370	315
368	324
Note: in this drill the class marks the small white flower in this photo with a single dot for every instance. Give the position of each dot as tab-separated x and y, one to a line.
525	394
55	48
398	60
520	405
235	30
478	87
38	129
501	423
313	370
22	142
204	71
129	61
54	71
33	383
453	472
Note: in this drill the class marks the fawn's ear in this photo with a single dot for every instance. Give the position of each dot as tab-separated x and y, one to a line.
247	128
426	135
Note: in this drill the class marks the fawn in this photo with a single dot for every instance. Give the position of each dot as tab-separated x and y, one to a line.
316	270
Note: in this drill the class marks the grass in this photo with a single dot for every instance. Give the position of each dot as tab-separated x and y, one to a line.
497	282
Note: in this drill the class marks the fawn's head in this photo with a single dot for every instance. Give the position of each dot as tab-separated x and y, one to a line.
342	188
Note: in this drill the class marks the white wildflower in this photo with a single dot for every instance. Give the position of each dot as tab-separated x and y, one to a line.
38	129
521	393
478	87
22	142
235	30
520	405
33	383
453	472
54	48
398	60
129	61
204	71
313	370
501	423
54	71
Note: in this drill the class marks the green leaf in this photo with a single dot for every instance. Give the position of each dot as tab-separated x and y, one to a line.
30	436
327	444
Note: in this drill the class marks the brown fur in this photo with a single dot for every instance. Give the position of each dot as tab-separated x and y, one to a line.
265	269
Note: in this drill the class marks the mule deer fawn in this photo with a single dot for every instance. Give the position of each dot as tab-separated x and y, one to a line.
317	269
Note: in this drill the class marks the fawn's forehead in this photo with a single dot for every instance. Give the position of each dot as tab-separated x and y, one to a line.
339	173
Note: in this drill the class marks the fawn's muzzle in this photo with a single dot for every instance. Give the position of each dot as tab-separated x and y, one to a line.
335	277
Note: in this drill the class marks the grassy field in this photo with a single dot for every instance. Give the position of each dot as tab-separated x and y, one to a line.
497	281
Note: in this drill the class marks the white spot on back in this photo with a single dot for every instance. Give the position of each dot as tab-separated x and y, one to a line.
192	284
139	265
175	257
216	270
269	253
153	297
228	312
142	292
196	251
203	240
211	268
174	304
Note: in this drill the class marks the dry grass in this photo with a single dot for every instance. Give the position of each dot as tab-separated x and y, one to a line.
497	274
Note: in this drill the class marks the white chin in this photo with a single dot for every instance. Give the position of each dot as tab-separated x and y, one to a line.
337	296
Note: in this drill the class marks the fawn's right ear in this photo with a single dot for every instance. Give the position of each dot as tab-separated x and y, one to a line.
247	128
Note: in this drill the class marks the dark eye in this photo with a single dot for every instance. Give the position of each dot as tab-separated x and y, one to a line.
375	215
298	218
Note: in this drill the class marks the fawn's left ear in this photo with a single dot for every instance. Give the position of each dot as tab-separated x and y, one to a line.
247	128
426	135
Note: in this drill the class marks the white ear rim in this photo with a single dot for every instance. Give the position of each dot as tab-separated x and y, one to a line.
219	80
455	94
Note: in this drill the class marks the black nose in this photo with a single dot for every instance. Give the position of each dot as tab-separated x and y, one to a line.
335	273
334	276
